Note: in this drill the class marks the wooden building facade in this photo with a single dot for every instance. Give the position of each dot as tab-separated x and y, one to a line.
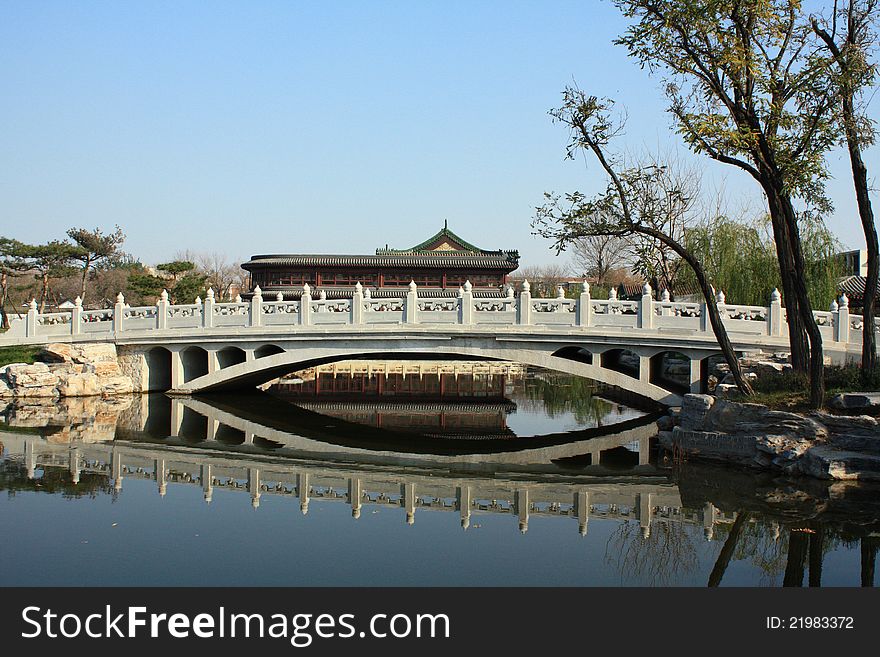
439	266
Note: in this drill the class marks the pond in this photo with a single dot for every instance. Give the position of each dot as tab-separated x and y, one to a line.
412	474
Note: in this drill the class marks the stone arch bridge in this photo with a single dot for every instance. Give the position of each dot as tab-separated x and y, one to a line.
211	346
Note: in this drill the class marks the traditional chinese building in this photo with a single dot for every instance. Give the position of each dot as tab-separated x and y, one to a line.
439	266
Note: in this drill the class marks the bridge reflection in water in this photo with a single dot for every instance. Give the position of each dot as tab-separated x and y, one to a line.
267	449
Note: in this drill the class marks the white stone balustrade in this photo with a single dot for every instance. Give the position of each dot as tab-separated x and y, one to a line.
609	315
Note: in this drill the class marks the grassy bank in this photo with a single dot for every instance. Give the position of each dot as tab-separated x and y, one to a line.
18	354
788	391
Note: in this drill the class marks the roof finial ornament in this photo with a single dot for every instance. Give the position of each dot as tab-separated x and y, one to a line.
445	224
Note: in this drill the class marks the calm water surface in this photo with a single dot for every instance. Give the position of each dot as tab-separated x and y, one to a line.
512	478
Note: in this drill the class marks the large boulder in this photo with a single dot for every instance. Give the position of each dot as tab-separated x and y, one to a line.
857	401
102	357
116	385
35	380
84	384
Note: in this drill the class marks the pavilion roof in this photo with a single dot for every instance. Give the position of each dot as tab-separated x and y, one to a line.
499	260
444	241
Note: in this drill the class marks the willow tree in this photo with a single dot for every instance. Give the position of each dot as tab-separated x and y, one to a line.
745	91
848	37
637	201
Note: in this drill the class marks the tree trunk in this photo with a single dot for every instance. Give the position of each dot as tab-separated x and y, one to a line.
797	553
711	304
817	541
4	292
793	270
797	335
805	309
82	285
860	181
44	292
727	550
869	558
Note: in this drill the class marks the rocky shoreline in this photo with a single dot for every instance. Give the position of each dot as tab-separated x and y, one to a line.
67	370
817	444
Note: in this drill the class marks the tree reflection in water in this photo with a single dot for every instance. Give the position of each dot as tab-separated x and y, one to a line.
563	393
663	557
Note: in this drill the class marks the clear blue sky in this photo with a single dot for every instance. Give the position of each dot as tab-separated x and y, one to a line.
267	127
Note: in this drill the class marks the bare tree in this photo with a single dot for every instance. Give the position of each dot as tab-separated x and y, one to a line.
221	274
636	202
543	279
600	256
673	202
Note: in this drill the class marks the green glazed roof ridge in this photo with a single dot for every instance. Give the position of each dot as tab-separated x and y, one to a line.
443	232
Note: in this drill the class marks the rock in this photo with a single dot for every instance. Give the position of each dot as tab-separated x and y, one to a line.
102	357
35	380
5	388
727	390
829	463
117	385
758	420
666	439
694	409
79	385
860	401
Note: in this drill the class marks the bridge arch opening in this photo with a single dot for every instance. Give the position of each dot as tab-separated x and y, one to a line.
195	363
266	443
193	426
619	458
671	370
713	369
577	354
158	414
229	435
229	356
158	361
268	350
621	360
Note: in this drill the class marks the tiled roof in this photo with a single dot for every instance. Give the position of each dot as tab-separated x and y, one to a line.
449	259
444	235
853	286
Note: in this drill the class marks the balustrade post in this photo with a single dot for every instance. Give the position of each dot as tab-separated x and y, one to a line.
841	326
705	324
76	317
585	306
560	300
467	304
208	309
357	304
256	314
666	311
119	313
31	325
524	305
646	308
411	304
305	306
162	311
774	314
